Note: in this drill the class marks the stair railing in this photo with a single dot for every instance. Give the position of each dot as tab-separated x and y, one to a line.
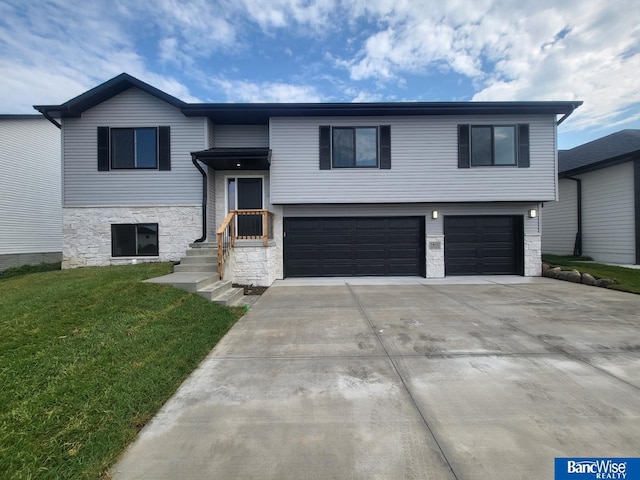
243	225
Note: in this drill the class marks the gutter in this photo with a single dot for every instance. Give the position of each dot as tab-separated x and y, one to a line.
204	200
577	246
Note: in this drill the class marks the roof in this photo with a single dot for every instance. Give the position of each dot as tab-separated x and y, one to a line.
20	116
600	153
259	113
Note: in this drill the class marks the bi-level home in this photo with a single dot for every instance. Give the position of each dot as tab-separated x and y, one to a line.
296	190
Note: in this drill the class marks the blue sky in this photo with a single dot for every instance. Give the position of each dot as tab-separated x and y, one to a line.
333	51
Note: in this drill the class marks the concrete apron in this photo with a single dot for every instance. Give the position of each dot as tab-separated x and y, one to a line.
406	382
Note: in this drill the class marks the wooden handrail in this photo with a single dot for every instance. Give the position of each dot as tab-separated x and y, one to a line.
227	236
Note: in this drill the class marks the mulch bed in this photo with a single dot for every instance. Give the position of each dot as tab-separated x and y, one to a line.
251	289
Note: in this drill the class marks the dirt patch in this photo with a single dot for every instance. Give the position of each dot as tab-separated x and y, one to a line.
251	289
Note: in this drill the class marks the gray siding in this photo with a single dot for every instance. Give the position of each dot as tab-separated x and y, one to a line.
30	185
608	221
433	227
84	185
424	164
560	220
241	136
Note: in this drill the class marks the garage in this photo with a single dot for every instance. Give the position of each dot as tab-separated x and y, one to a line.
483	245
354	246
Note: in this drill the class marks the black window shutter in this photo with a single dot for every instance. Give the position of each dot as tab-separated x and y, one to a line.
523	145
464	152
103	149
164	148
385	146
325	147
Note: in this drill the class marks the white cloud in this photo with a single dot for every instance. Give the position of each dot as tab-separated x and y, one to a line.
511	50
55	50
244	91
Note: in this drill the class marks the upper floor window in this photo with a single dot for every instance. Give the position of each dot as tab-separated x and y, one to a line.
355	147
134	148
493	145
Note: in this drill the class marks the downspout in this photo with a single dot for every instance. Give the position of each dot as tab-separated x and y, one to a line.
204	200
51	119
577	247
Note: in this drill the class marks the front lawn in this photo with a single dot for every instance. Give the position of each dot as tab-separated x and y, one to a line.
87	357
628	278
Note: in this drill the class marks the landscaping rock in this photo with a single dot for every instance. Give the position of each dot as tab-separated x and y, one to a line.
552	272
574	276
588	279
545	267
604	282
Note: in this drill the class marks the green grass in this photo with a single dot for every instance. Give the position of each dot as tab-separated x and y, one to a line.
87	356
628	279
26	269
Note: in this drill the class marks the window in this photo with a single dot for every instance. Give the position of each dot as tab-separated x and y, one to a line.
493	145
134	240
355	147
134	148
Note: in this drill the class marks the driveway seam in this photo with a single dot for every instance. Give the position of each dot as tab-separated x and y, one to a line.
560	350
402	380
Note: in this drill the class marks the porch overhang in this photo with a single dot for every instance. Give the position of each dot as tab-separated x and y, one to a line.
235	158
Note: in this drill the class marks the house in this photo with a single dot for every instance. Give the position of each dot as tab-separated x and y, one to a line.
598	213
30	201
292	190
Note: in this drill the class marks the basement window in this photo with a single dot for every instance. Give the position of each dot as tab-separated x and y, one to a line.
134	240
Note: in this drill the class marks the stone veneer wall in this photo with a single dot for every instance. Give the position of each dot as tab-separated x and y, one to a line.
254	264
532	255
435	256
86	232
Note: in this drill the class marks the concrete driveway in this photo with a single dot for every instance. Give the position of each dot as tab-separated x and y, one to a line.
418	380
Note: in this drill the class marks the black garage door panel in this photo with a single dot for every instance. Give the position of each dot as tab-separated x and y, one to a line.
483	245
353	246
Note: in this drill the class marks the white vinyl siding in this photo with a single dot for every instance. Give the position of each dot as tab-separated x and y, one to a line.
608	223
227	136
560	220
30	182
424	163
85	185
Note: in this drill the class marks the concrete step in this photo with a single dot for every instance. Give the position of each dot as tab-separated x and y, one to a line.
195	259
197	267
203	245
230	297
215	289
199	252
189	281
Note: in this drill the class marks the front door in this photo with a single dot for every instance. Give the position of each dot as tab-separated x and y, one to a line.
246	194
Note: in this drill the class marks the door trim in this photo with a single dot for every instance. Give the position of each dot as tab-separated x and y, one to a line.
226	190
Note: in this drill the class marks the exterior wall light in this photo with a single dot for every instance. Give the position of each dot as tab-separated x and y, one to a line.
434	214
533	213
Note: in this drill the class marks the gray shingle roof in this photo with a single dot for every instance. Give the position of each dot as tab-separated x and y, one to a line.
606	148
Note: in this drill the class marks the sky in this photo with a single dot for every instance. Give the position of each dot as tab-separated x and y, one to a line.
333	51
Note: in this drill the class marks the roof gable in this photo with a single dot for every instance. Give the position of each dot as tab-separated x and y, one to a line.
103	92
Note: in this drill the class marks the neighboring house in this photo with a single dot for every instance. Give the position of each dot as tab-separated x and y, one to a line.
30	200
427	189
598	212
